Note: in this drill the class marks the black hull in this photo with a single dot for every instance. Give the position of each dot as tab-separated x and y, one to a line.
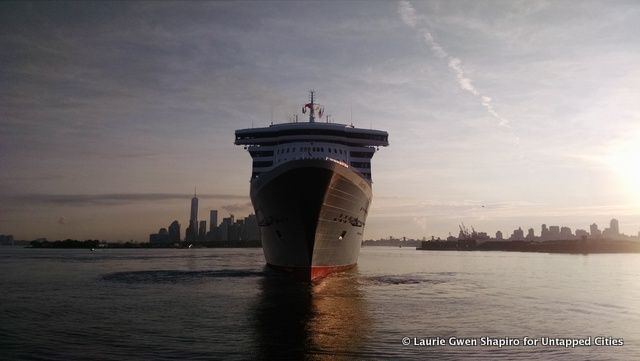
311	214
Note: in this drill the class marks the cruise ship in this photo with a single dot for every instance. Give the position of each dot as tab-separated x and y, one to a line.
311	190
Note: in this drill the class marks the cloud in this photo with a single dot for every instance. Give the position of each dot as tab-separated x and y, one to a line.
463	81
238	207
408	15
111	199
62	221
435	47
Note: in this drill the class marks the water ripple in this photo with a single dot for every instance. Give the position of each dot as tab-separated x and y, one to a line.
176	276
403	280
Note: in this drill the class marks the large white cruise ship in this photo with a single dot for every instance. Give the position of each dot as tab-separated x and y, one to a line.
311	191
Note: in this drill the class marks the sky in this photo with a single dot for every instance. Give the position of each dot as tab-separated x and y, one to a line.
501	114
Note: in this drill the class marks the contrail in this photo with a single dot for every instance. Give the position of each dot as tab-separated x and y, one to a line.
409	17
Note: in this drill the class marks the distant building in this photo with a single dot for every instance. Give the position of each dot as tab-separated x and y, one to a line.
518	235
614	226
160	239
224	228
544	233
192	231
595	232
499	236
530	235
250	230
613	232
233	232
174	231
194	209
213	219
565	233
554	233
202	231
582	234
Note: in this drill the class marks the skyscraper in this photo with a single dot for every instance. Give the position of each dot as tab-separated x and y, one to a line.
595	232
544	233
517	235
174	231
615	227
565	233
213	219
192	235
194	209
202	231
530	235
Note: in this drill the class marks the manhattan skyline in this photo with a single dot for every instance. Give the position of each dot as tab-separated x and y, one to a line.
499	114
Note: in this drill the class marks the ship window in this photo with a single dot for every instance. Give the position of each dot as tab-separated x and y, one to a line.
287	150
262	163
361	164
261	153
362	154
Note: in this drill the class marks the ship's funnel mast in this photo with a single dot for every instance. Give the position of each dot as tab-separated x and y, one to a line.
312	117
312	108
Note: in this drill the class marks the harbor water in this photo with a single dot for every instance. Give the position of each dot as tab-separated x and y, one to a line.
204	304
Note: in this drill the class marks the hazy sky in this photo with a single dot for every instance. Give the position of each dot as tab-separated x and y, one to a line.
500	113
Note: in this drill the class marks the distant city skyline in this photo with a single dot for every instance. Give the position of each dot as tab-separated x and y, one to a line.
229	230
500	114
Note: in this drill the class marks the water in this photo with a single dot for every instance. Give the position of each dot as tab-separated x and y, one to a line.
144	304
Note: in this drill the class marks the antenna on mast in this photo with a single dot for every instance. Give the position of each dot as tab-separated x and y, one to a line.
312	117
312	108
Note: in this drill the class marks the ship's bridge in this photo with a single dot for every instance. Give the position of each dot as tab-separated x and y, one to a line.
280	143
316	132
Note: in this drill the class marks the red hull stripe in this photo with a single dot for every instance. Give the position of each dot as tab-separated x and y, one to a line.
312	273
